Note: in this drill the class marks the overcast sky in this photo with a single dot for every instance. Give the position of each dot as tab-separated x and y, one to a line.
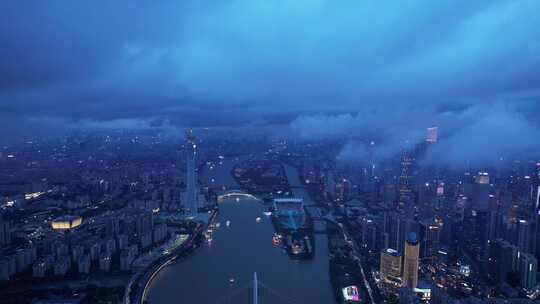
322	67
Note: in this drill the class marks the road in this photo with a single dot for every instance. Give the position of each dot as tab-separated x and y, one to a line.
356	251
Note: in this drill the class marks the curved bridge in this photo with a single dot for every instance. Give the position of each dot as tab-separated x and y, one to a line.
235	193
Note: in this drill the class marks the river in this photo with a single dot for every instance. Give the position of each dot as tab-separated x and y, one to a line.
237	252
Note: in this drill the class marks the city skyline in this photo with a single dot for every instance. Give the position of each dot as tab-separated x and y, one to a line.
270	151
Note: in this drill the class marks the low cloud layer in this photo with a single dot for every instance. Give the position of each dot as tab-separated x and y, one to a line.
349	68
476	134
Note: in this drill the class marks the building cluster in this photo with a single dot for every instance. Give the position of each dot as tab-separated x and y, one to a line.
105	243
67	211
477	228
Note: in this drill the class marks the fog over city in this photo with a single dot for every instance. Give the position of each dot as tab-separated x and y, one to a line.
320	68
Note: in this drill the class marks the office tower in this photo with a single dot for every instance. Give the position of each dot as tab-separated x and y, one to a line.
440	189
330	186
411	261
398	226
481	190
476	227
494	218
482	178
526	236
405	179
432	135
537	201
527	270
5	231
430	233
390	267
503	259
343	190
369	233
191	198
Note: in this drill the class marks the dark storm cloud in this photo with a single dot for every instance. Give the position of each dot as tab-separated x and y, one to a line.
325	67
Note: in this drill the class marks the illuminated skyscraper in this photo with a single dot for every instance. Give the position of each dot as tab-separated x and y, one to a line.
405	179
537	201
411	263
527	266
430	231
432	135
390	265
191	199
482	178
480	192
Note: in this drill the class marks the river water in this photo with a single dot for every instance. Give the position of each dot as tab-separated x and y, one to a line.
237	252
240	250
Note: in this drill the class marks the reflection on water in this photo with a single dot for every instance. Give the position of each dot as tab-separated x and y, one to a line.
222	271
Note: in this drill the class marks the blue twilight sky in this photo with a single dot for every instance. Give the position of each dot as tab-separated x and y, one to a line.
320	68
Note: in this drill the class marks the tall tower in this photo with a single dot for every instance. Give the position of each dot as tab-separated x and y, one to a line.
432	135
405	179
191	195
410	263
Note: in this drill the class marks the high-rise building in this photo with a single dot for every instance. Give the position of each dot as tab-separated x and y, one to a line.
482	178
503	259
405	179
430	234
432	135
537	201
527	270
526	236
191	197
390	265
5	231
398	226
411	261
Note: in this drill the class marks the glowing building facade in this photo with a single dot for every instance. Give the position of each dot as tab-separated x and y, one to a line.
432	135
411	261
405	179
66	222
390	265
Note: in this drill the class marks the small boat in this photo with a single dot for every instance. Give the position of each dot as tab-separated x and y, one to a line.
231	281
267	213
208	236
276	239
218	224
258	219
228	223
237	199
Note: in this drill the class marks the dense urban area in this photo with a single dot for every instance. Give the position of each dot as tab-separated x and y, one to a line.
95	217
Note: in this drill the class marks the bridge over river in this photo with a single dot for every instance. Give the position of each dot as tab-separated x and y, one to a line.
239	250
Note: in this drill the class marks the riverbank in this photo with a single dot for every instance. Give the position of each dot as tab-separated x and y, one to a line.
137	288
237	251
